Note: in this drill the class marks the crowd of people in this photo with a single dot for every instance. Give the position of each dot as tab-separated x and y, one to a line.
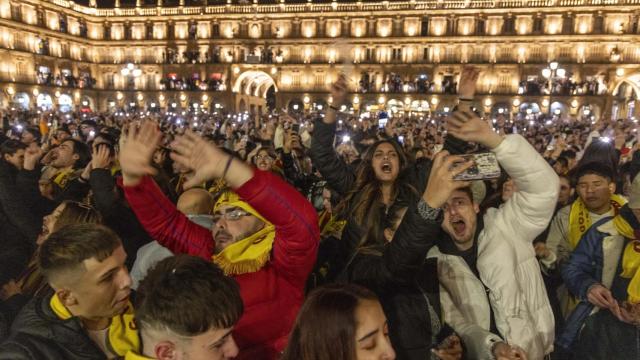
66	78
194	83
215	56
562	87
325	235
394	83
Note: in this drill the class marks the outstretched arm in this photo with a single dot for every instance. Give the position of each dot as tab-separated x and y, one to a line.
403	257
295	220
156	213
323	153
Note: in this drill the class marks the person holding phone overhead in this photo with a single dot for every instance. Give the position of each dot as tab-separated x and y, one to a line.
491	289
382	178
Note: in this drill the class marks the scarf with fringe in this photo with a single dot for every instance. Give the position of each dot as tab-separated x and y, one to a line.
251	253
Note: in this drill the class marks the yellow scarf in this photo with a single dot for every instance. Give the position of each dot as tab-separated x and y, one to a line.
62	178
123	334
330	225
251	253
580	220
114	169
630	258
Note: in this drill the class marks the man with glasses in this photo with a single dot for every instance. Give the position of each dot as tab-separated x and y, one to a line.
265	234
491	289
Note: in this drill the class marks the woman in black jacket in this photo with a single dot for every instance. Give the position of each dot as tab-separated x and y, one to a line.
383	177
397	272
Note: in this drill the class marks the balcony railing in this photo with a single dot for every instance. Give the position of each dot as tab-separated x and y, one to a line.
339	7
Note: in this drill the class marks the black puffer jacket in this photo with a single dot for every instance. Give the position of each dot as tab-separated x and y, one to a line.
406	284
341	178
38	334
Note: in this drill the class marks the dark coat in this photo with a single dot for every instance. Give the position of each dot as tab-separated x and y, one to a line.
21	213
605	337
116	213
406	284
341	178
37	333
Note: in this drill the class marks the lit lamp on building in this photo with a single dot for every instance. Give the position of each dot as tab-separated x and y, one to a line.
551	73
487	104
306	100
130	72
434	104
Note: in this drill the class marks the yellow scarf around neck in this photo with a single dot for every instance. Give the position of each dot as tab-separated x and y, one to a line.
630	258
123	334
63	177
251	253
580	220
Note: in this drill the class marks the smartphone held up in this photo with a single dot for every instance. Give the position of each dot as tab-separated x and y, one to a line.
485	166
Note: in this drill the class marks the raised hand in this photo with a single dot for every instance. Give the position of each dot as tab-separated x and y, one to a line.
205	159
339	90
339	95
101	159
467	83
31	156
467	125
441	182
208	162
136	151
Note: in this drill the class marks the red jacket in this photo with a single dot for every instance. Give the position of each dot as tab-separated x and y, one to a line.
271	296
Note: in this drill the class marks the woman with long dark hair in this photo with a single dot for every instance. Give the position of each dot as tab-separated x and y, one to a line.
340	322
397	272
383	177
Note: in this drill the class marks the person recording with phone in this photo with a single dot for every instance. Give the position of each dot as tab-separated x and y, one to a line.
382	177
491	289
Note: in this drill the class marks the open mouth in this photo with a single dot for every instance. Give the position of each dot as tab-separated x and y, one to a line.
459	227
386	168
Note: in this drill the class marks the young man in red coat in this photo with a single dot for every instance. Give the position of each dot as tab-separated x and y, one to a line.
265	233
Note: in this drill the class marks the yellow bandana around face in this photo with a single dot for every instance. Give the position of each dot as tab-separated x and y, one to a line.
251	253
580	220
123	334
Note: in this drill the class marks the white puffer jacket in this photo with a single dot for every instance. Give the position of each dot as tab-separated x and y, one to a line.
506	263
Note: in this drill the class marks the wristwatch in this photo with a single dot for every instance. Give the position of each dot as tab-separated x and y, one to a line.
427	212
